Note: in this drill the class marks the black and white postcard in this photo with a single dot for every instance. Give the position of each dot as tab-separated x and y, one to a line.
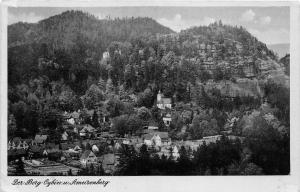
192	96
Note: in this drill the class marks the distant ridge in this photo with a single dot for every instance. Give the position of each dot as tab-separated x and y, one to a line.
281	49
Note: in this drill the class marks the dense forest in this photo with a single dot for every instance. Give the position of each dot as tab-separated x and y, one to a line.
74	61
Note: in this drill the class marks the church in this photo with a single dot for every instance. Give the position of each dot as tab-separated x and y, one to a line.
163	102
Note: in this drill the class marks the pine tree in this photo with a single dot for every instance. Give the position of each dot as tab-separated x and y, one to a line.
95	120
122	92
101	84
12	125
109	86
20	167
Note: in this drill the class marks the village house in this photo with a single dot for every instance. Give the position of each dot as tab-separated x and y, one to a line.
168	150
157	139
87	158
163	102
17	143
105	55
86	130
71	121
152	125
167	119
175	152
50	148
77	146
148	139
64	136
40	139
95	148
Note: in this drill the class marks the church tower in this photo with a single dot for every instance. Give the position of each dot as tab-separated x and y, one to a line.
159	96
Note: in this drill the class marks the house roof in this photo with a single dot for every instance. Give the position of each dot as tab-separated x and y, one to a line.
36	149
108	159
148	136
85	154
147	131
165	101
40	138
87	128
65	146
163	135
53	150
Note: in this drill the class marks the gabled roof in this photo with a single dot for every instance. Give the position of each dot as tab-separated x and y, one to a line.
86	153
40	138
87	128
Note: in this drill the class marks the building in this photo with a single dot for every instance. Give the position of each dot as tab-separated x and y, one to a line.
88	157
157	139
167	119
105	55
40	139
17	143
163	102
87	129
64	136
153	125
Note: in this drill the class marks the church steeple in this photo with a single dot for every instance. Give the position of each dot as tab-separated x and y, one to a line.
159	96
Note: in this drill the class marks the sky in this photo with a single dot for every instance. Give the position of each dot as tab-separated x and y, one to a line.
270	25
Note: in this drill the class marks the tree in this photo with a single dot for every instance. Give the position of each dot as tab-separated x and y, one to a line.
184	163
144	113
12	126
196	129
120	124
101	84
92	97
20	171
109	86
145	98
122	91
70	172
95	119
134	123
252	169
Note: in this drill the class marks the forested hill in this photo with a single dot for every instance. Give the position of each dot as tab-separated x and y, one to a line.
60	31
142	52
219	33
76	34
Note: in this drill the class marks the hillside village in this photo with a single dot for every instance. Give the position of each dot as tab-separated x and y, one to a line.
82	145
209	100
